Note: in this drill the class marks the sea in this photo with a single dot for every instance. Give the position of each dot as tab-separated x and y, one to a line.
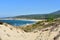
18	22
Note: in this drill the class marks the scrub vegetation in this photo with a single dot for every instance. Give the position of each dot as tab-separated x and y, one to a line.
39	25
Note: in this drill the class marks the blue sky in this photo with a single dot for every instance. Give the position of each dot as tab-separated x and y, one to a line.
24	7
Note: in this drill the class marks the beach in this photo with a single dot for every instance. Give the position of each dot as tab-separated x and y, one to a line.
23	19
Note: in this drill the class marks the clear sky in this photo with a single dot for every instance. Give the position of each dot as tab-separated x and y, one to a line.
23	7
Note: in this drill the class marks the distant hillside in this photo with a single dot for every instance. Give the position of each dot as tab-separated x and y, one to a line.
41	16
35	16
55	14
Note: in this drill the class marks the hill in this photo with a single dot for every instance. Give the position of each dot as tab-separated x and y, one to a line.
55	14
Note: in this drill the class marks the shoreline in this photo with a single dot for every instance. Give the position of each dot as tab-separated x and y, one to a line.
24	19
35	20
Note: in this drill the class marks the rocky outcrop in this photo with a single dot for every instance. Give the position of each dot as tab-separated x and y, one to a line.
8	32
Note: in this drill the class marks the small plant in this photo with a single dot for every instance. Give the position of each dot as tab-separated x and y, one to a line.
6	25
10	28
8	35
1	23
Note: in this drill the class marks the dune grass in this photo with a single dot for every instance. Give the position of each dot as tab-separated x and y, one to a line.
40	25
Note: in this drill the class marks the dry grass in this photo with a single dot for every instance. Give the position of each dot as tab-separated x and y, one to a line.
39	25
11	28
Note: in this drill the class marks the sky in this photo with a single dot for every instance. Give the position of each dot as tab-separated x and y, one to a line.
10	8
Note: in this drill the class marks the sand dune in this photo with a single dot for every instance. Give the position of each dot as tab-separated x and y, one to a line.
8	32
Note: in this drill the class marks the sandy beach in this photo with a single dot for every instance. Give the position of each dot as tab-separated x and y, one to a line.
23	19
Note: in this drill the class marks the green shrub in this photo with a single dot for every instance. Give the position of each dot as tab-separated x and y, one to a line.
50	19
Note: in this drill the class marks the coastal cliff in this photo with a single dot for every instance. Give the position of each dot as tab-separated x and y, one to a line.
9	32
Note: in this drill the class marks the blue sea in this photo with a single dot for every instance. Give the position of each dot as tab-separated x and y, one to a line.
17	22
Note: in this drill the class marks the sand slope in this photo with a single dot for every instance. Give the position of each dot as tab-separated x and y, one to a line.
8	32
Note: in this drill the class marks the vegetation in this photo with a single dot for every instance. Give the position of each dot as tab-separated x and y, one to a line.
40	16
40	25
1	23
50	19
11	29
